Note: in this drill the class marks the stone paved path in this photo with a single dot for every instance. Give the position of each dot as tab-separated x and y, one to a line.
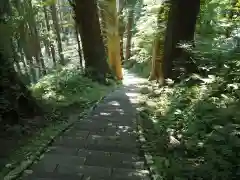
101	147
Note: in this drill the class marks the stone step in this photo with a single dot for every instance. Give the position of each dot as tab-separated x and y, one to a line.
89	173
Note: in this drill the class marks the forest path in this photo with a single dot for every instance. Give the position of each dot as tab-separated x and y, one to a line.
102	146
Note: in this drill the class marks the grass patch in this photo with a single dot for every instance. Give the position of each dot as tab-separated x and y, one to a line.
66	96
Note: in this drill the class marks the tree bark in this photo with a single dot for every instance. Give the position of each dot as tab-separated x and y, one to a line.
15	57
52	49
87	20
129	33
57	30
79	47
121	32
113	38
24	42
156	71
180	27
103	26
21	57
35	39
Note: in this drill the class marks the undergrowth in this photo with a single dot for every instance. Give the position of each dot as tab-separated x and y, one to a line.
193	127
68	88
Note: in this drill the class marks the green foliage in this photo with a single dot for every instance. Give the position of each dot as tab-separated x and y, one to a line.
150	24
192	127
206	126
68	87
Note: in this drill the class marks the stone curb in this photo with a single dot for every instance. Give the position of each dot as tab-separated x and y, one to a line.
23	165
147	156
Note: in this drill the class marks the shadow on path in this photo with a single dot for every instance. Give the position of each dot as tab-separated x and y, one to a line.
103	146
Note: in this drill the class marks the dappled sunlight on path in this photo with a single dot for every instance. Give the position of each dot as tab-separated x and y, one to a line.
132	84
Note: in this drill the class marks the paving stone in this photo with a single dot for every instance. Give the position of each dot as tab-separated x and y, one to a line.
50	162
62	150
88	171
89	125
72	141
73	160
121	132
76	134
47	164
126	174
97	178
130	161
52	176
114	160
109	143
100	158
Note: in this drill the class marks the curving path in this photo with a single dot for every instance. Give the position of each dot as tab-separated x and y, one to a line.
101	147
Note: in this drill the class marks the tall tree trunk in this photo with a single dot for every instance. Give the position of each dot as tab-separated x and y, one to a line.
57	30
121	32
36	41
52	49
103	26
24	41
156	71
180	27
17	101
120	6
129	33
113	38
45	40
93	49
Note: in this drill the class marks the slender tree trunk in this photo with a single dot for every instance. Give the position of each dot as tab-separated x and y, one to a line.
129	33
180	27
57	30
47	47
45	40
52	49
93	49
21	57
79	47
15	57
156	71
121	32
120	6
